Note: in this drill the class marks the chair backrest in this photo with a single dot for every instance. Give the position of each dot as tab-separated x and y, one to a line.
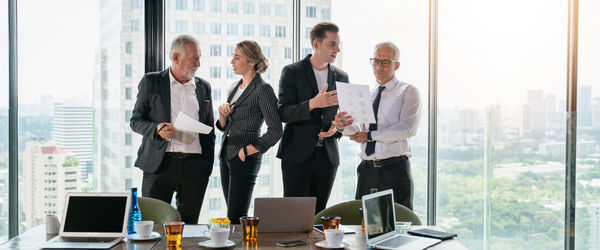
157	210
350	216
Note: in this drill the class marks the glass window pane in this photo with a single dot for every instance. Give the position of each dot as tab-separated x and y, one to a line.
501	123
4	124
587	223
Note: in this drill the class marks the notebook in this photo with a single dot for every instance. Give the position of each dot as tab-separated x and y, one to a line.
380	224
92	220
288	214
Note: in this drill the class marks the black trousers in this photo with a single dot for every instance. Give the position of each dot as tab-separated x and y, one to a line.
188	177
313	178
395	176
237	180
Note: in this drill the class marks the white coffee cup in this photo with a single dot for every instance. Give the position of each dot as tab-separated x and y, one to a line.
143	228
334	237
219	236
52	224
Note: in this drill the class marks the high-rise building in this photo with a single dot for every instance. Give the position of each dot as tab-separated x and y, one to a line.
584	105
49	172
73	130
534	113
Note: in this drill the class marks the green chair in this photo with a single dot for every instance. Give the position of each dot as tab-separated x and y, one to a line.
348	211
157	210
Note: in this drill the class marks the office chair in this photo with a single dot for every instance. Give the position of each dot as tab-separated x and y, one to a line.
348	211
157	210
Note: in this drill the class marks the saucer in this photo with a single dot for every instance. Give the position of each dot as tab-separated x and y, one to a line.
323	244
210	244
152	236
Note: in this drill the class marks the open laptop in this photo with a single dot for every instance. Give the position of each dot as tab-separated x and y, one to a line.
92	220
380	224
288	214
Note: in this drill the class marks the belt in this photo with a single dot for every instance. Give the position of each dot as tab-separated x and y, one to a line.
180	155
385	162
320	142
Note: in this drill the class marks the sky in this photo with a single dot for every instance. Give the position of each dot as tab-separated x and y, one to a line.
490	52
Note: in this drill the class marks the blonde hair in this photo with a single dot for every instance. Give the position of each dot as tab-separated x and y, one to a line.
253	53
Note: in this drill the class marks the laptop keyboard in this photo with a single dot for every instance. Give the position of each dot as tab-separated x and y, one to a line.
396	241
80	239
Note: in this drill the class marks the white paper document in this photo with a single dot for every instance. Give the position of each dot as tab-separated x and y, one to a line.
187	124
355	99
190	231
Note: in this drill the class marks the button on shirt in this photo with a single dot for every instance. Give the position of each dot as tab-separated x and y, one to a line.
184	99
397	121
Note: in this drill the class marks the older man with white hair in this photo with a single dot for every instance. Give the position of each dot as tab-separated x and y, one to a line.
173	160
385	147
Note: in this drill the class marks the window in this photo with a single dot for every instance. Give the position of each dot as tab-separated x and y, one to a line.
215	28
249	8
135	25
306	51
230	49
265	30
199	5
127	115
215	204
198	27
266	51
215	72
230	73
265	9
181	26
181	4
232	29
326	14
128	161
279	31
128	48
215	6
248	29
216	94
288	53
311	12
128	183
232	7
307	33
264	181
214	180
128	139
128	70
138	4
215	50
280	10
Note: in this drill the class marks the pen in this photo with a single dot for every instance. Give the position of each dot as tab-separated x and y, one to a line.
163	126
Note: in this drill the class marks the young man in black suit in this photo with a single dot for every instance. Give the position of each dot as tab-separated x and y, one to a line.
172	160
308	104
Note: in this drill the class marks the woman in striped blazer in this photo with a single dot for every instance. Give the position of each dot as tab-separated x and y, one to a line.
250	102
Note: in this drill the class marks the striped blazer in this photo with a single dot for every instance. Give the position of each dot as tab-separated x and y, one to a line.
257	103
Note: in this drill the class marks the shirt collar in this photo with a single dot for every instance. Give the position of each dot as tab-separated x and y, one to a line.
175	82
391	84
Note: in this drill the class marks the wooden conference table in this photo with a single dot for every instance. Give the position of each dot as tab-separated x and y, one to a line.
35	237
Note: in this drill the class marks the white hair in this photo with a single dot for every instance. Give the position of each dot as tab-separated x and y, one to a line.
178	45
390	45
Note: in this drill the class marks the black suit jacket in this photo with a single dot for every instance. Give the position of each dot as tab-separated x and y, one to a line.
257	103
300	135
153	106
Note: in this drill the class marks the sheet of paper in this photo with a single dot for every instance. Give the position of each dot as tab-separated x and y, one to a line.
194	231
356	100
187	124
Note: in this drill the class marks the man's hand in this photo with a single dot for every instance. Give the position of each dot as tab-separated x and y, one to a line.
342	120
323	99
359	137
330	132
165	130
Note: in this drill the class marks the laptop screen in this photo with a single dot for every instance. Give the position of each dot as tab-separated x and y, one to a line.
380	215
95	214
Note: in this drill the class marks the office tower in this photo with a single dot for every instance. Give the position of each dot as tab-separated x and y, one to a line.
73	130
468	121
596	112
534	113
49	172
584	105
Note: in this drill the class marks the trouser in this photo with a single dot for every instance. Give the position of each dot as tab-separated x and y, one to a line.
188	177
312	178
237	180
395	176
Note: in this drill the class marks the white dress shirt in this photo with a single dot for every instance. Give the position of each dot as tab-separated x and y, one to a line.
397	120
184	99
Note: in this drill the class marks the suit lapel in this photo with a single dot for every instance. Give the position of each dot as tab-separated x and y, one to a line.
331	78
200	96
310	74
165	94
248	90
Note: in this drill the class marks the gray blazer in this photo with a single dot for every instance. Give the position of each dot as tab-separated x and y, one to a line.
258	103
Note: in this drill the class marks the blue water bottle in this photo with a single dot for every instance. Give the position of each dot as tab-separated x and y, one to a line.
134	212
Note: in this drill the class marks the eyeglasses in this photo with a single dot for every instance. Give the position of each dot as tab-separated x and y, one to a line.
385	62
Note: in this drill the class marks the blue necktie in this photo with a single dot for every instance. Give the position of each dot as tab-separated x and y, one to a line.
370	149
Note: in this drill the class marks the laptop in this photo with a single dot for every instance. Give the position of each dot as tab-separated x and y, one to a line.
380	225
92	221
288	214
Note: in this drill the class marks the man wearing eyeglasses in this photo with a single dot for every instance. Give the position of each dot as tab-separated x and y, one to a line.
385	147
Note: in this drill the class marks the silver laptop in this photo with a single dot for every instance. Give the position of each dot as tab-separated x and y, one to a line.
288	214
92	220
380	224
